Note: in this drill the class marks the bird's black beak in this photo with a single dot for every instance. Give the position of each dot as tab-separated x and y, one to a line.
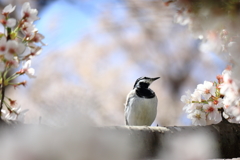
154	79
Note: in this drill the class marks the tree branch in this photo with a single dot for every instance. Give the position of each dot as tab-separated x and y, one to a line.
3	94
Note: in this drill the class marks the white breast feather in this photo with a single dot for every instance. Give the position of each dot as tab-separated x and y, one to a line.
141	111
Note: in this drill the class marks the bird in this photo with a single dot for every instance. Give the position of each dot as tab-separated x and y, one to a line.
141	103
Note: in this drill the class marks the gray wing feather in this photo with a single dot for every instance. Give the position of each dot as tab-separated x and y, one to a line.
129	97
126	121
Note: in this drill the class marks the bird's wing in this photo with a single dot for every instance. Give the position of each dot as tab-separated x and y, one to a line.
126	121
129	97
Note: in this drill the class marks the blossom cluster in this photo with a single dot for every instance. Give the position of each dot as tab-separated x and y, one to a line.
19	43
212	101
215	23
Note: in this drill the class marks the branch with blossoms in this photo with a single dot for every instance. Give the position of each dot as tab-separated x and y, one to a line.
215	23
19	43
213	101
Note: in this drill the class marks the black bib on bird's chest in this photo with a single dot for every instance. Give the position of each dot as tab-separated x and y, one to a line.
145	93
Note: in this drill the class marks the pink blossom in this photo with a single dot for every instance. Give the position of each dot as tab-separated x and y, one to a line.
212	112
207	89
3	45
192	107
35	51
29	71
28	29
14	48
196	96
198	118
15	115
38	38
10	22
187	98
28	13
13	51
8	9
229	88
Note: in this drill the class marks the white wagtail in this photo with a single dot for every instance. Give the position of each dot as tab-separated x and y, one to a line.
141	103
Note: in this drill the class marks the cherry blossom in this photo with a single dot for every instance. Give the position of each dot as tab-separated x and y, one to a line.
38	38
28	13
10	22
198	118
13	48
8	9
3	45
192	107
227	81
229	87
187	98
29	71
212	112
221	95
206	89
28	29
14	114
17	49
36	51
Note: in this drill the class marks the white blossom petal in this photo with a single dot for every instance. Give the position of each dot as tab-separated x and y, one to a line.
30	73
8	9
198	118
28	13
11	22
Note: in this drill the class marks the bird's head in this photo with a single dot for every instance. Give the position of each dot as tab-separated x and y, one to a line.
144	82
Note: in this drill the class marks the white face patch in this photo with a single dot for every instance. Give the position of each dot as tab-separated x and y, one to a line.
145	82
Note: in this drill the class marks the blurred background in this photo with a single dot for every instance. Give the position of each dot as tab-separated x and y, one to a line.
95	51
